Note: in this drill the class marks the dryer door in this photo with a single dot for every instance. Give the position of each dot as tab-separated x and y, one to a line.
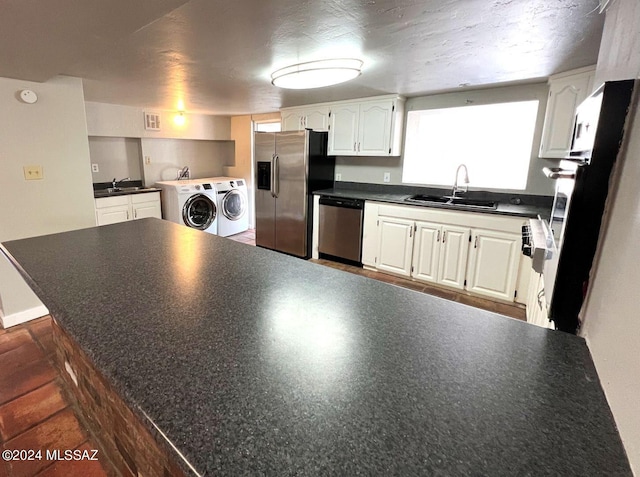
199	212
234	205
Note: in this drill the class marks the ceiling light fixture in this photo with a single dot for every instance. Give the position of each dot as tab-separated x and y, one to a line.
316	74
179	119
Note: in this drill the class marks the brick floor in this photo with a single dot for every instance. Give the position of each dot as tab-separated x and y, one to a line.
35	413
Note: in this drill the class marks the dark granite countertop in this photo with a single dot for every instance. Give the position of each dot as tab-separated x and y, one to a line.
517	205
256	363
104	189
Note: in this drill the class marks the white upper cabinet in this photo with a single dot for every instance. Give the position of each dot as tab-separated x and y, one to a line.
343	129
363	127
566	92
298	119
366	127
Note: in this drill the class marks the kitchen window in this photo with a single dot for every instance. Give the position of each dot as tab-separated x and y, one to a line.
493	140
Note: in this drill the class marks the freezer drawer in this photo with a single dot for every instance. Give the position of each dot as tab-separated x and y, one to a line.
340	233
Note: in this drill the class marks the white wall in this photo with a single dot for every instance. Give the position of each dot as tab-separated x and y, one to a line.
51	133
610	316
127	121
372	169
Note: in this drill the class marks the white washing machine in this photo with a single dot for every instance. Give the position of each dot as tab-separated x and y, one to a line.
233	205
190	202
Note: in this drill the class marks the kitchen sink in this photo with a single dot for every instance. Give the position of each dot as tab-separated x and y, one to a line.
120	190
451	201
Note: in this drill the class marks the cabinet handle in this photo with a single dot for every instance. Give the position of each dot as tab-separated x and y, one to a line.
358	147
127	215
135	214
438	237
475	243
444	236
410	231
354	146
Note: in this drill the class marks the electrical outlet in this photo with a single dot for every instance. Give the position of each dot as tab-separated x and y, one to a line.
338	177
95	168
32	173
387	176
147	160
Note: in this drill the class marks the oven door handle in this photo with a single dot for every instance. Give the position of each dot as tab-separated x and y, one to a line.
558	173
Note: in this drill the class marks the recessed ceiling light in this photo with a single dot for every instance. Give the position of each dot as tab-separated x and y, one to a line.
316	74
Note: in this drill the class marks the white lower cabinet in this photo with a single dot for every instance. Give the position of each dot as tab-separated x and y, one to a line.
453	256
396	245
440	254
111	210
493	264
476	252
146	205
426	251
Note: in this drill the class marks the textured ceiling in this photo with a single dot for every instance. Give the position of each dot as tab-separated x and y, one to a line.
217	56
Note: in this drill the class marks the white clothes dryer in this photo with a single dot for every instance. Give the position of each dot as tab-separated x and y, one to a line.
233	205
190	202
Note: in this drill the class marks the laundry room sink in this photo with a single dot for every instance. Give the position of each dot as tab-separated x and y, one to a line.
121	191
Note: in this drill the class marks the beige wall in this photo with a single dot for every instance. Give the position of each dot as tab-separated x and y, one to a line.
127	121
51	133
167	156
117	157
372	169
610	316
241	133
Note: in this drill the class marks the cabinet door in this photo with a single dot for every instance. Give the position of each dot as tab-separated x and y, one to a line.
426	251
343	131
292	121
147	209
564	97
395	245
317	119
370	234
454	251
494	264
112	215
374	128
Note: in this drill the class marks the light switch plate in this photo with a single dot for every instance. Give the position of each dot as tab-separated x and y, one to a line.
32	173
95	168
387	176
338	177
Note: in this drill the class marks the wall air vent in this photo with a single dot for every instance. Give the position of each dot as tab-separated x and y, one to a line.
152	121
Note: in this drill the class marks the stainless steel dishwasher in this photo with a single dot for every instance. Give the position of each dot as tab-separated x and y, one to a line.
341	228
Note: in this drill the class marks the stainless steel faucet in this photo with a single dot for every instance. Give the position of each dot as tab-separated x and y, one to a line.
457	188
114	182
184	173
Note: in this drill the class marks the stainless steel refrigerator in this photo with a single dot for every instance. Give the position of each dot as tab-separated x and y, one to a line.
289	166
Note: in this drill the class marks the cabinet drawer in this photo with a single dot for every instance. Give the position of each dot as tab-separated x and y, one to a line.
146	197
103	202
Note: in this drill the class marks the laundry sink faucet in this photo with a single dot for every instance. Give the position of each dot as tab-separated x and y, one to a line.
465	180
114	182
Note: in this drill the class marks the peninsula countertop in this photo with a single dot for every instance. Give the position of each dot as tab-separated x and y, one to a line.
254	362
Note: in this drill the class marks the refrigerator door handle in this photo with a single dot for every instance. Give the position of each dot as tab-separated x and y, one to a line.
276	176
272	175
